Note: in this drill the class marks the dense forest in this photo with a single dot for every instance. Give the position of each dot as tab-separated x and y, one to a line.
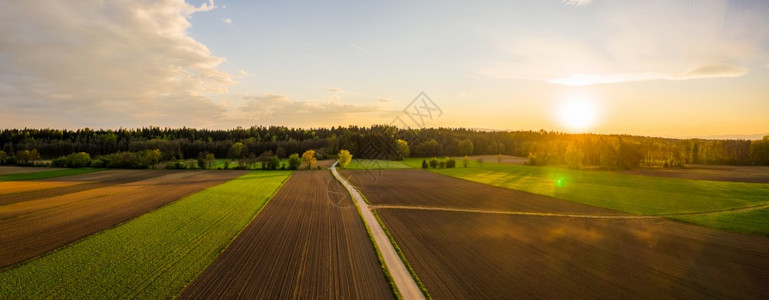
27	146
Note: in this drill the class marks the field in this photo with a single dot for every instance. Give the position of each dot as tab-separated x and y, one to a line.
29	173
637	194
34	222
152	256
478	246
308	242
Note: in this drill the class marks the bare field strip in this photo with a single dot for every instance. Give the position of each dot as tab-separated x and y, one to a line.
308	242
750	174
55	217
60	186
460	255
421	188
5	170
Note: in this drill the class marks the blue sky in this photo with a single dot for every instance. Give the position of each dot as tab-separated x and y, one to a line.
663	68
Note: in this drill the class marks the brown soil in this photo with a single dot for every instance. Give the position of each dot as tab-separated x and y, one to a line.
423	188
505	159
308	242
49	219
463	255
5	170
752	174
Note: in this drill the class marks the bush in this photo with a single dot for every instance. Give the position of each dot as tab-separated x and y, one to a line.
450	162
441	164
424	164
433	163
74	160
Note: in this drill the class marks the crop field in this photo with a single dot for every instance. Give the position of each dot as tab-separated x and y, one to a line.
477	246
308	242
475	256
633	193
28	173
34	222
152	256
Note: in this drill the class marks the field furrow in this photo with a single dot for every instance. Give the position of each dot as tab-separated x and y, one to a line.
34	227
308	243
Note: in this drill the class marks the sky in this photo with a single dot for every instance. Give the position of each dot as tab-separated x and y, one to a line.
689	68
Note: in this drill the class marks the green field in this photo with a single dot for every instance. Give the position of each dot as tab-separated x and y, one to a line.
375	164
153	256
46	174
645	195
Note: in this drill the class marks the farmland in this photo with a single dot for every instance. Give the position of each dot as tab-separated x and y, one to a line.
308	242
154	255
633	193
569	250
27	173
38	221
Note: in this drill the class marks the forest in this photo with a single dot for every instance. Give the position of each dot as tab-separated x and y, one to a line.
27	146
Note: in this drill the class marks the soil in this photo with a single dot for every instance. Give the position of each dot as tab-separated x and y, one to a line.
37	222
308	242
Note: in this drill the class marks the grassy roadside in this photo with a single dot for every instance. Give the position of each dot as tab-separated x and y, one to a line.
402	256
153	256
46	174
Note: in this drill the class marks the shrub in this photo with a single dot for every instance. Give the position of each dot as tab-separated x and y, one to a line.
450	162
433	163
424	164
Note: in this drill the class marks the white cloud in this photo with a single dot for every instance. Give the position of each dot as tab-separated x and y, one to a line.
383	100
642	40
243	74
113	63
336	90
577	2
227	20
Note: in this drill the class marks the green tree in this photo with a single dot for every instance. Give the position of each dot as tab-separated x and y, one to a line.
308	157
465	161
403	149
573	157
465	147
294	161
345	157
210	160
273	163
759	151
429	148
424	164
153	157
237	150
3	157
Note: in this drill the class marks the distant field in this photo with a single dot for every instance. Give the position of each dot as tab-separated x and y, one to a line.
150	257
5	170
308	242
38	221
375	164
646	195
18	173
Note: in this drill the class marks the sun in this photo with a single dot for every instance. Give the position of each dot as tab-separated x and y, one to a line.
578	113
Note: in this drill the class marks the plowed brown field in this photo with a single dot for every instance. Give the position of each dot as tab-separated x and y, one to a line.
308	243
422	188
471	255
37	221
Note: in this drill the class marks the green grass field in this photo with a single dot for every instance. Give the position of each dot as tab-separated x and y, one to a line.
375	164
646	195
46	174
153	256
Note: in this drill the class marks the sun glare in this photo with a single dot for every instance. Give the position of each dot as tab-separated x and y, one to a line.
578	114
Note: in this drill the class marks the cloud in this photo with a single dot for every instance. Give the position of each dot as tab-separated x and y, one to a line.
114	63
227	20
243	74
280	109
710	71
336	90
577	2
383	100
358	47
682	41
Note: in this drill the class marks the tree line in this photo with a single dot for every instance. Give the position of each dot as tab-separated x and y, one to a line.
258	143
